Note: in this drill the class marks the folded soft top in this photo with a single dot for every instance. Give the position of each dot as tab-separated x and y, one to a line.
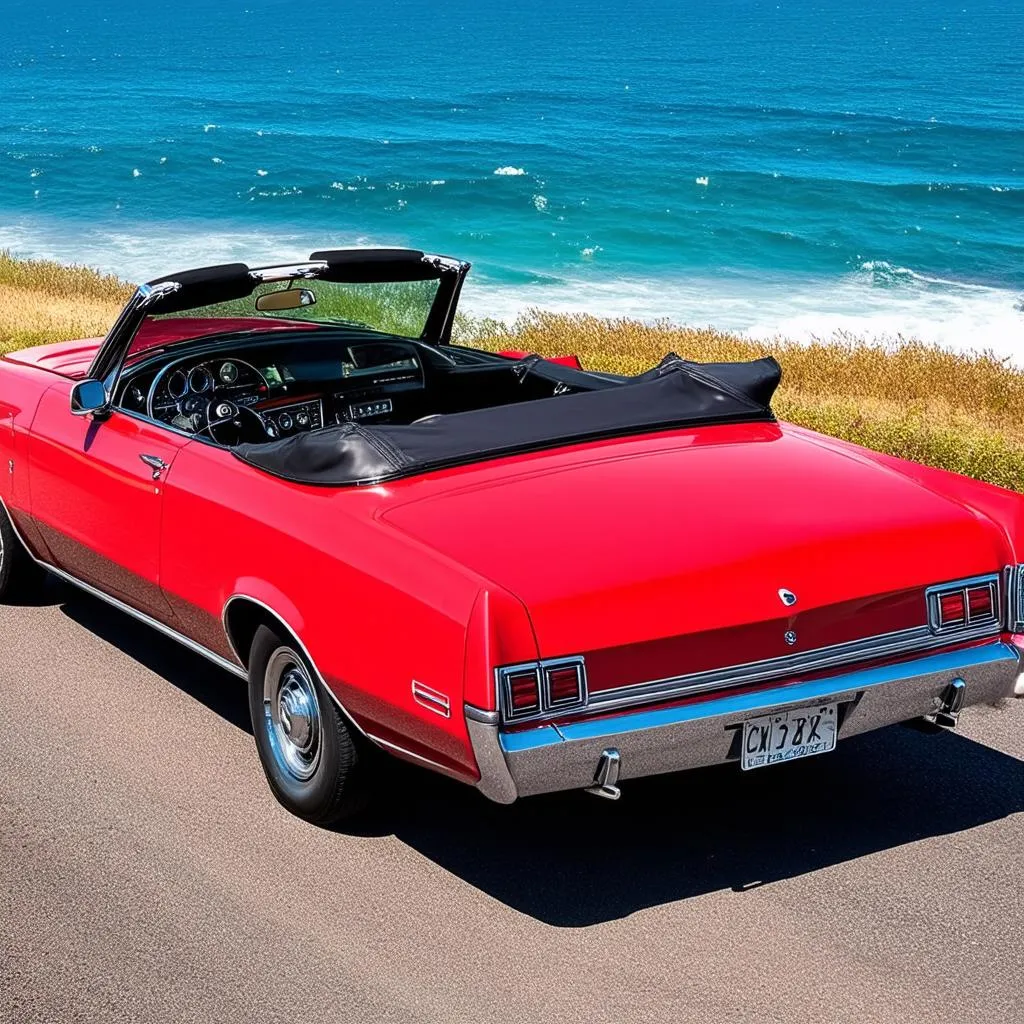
676	393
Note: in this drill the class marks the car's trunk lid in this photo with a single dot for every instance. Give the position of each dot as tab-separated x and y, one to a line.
671	559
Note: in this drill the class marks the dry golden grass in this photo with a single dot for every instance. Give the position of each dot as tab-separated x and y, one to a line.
52	278
29	317
42	301
958	412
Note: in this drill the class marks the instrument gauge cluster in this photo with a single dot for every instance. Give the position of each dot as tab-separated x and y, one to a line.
177	384
185	389
200	380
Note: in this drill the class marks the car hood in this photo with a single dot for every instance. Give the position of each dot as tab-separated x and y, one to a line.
698	532
66	358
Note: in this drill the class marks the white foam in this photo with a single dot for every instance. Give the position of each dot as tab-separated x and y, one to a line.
510	171
965	318
877	302
262	173
136	173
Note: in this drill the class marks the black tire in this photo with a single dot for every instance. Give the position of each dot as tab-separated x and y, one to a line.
20	575
317	769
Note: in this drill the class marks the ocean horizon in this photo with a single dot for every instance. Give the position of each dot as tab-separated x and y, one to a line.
794	168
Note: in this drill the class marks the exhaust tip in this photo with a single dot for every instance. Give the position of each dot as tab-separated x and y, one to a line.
607	775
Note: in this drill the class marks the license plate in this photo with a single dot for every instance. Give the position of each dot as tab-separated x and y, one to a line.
787	735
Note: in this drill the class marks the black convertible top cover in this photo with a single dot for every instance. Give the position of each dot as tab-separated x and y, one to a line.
676	393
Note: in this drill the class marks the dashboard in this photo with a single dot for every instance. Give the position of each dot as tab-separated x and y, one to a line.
278	389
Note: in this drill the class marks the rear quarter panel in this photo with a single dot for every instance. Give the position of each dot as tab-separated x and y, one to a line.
374	608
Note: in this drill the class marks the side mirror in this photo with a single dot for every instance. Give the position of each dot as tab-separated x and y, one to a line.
88	397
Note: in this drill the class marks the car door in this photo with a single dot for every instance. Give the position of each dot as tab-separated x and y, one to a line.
96	492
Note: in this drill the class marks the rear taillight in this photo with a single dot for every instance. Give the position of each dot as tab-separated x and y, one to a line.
979	603
542	688
951	608
523	691
565	684
965	605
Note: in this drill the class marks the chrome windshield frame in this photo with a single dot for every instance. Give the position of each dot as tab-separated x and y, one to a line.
448	272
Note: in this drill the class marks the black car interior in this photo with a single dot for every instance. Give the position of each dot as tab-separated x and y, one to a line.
254	389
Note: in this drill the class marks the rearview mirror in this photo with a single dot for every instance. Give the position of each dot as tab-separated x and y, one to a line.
88	397
287	298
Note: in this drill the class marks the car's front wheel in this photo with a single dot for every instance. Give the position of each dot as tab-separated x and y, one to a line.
313	758
20	575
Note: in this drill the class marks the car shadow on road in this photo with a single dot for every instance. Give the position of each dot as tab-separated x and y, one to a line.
218	690
572	860
44	593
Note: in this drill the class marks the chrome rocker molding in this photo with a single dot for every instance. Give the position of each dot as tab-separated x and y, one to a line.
217	660
668	739
167	631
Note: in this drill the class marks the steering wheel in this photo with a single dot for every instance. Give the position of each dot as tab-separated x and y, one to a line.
225	416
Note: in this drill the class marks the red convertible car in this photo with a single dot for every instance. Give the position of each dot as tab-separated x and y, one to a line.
521	574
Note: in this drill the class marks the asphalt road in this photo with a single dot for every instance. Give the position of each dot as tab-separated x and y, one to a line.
147	874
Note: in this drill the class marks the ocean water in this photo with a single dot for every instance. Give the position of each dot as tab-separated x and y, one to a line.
793	167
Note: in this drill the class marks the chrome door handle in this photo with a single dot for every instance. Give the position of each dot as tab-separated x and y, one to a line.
155	463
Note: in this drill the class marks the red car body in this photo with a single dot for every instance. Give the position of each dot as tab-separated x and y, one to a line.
663	561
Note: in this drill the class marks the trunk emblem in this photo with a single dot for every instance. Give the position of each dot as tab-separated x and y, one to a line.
790	637
787	597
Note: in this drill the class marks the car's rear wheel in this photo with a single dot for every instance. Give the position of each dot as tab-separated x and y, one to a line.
313	758
20	574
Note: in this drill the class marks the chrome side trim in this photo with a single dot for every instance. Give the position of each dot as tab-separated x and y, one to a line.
167	631
291	632
431	699
918	640
795	694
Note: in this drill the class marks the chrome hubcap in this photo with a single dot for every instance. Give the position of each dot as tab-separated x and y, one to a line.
292	714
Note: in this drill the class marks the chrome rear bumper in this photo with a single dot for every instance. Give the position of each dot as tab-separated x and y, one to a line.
706	732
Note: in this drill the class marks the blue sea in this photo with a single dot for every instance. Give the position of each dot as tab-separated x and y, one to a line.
796	167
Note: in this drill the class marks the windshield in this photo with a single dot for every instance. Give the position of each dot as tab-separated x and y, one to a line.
393	307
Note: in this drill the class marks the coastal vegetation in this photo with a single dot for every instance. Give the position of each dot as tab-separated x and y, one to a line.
951	410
